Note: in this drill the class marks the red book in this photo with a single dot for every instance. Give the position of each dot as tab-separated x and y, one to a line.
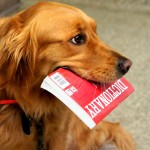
90	102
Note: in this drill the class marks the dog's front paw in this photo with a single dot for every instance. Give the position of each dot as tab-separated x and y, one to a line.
113	133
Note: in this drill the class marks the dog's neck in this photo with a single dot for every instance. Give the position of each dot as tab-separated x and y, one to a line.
26	120
5	96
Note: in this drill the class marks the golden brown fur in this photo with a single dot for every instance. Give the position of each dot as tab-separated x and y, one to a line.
33	43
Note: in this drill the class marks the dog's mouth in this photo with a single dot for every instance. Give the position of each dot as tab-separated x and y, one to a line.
66	68
71	70
100	74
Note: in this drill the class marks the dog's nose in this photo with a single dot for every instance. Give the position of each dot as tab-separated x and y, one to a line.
124	65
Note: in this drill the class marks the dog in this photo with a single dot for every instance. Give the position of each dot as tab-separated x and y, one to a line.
35	42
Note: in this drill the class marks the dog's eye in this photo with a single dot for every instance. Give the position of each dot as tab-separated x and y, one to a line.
78	40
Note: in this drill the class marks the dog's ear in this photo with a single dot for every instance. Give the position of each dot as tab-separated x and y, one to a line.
18	48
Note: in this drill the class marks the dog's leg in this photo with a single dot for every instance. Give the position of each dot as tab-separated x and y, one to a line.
104	133
114	133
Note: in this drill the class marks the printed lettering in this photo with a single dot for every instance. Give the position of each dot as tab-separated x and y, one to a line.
92	113
97	101
121	85
105	102
107	96
117	89
111	93
95	108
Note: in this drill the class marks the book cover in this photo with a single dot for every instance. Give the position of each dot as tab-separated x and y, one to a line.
89	101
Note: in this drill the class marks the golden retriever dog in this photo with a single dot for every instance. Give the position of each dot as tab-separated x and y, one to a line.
35	42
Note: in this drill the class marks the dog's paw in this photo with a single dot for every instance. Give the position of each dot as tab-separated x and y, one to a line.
115	135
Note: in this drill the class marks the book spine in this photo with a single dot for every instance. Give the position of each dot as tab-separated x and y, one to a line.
51	87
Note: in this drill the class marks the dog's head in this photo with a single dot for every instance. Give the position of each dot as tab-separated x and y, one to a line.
46	36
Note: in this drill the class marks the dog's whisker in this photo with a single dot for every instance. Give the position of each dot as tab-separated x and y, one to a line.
79	81
86	73
95	91
104	86
86	79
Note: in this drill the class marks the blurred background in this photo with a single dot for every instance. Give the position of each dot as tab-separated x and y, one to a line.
125	26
